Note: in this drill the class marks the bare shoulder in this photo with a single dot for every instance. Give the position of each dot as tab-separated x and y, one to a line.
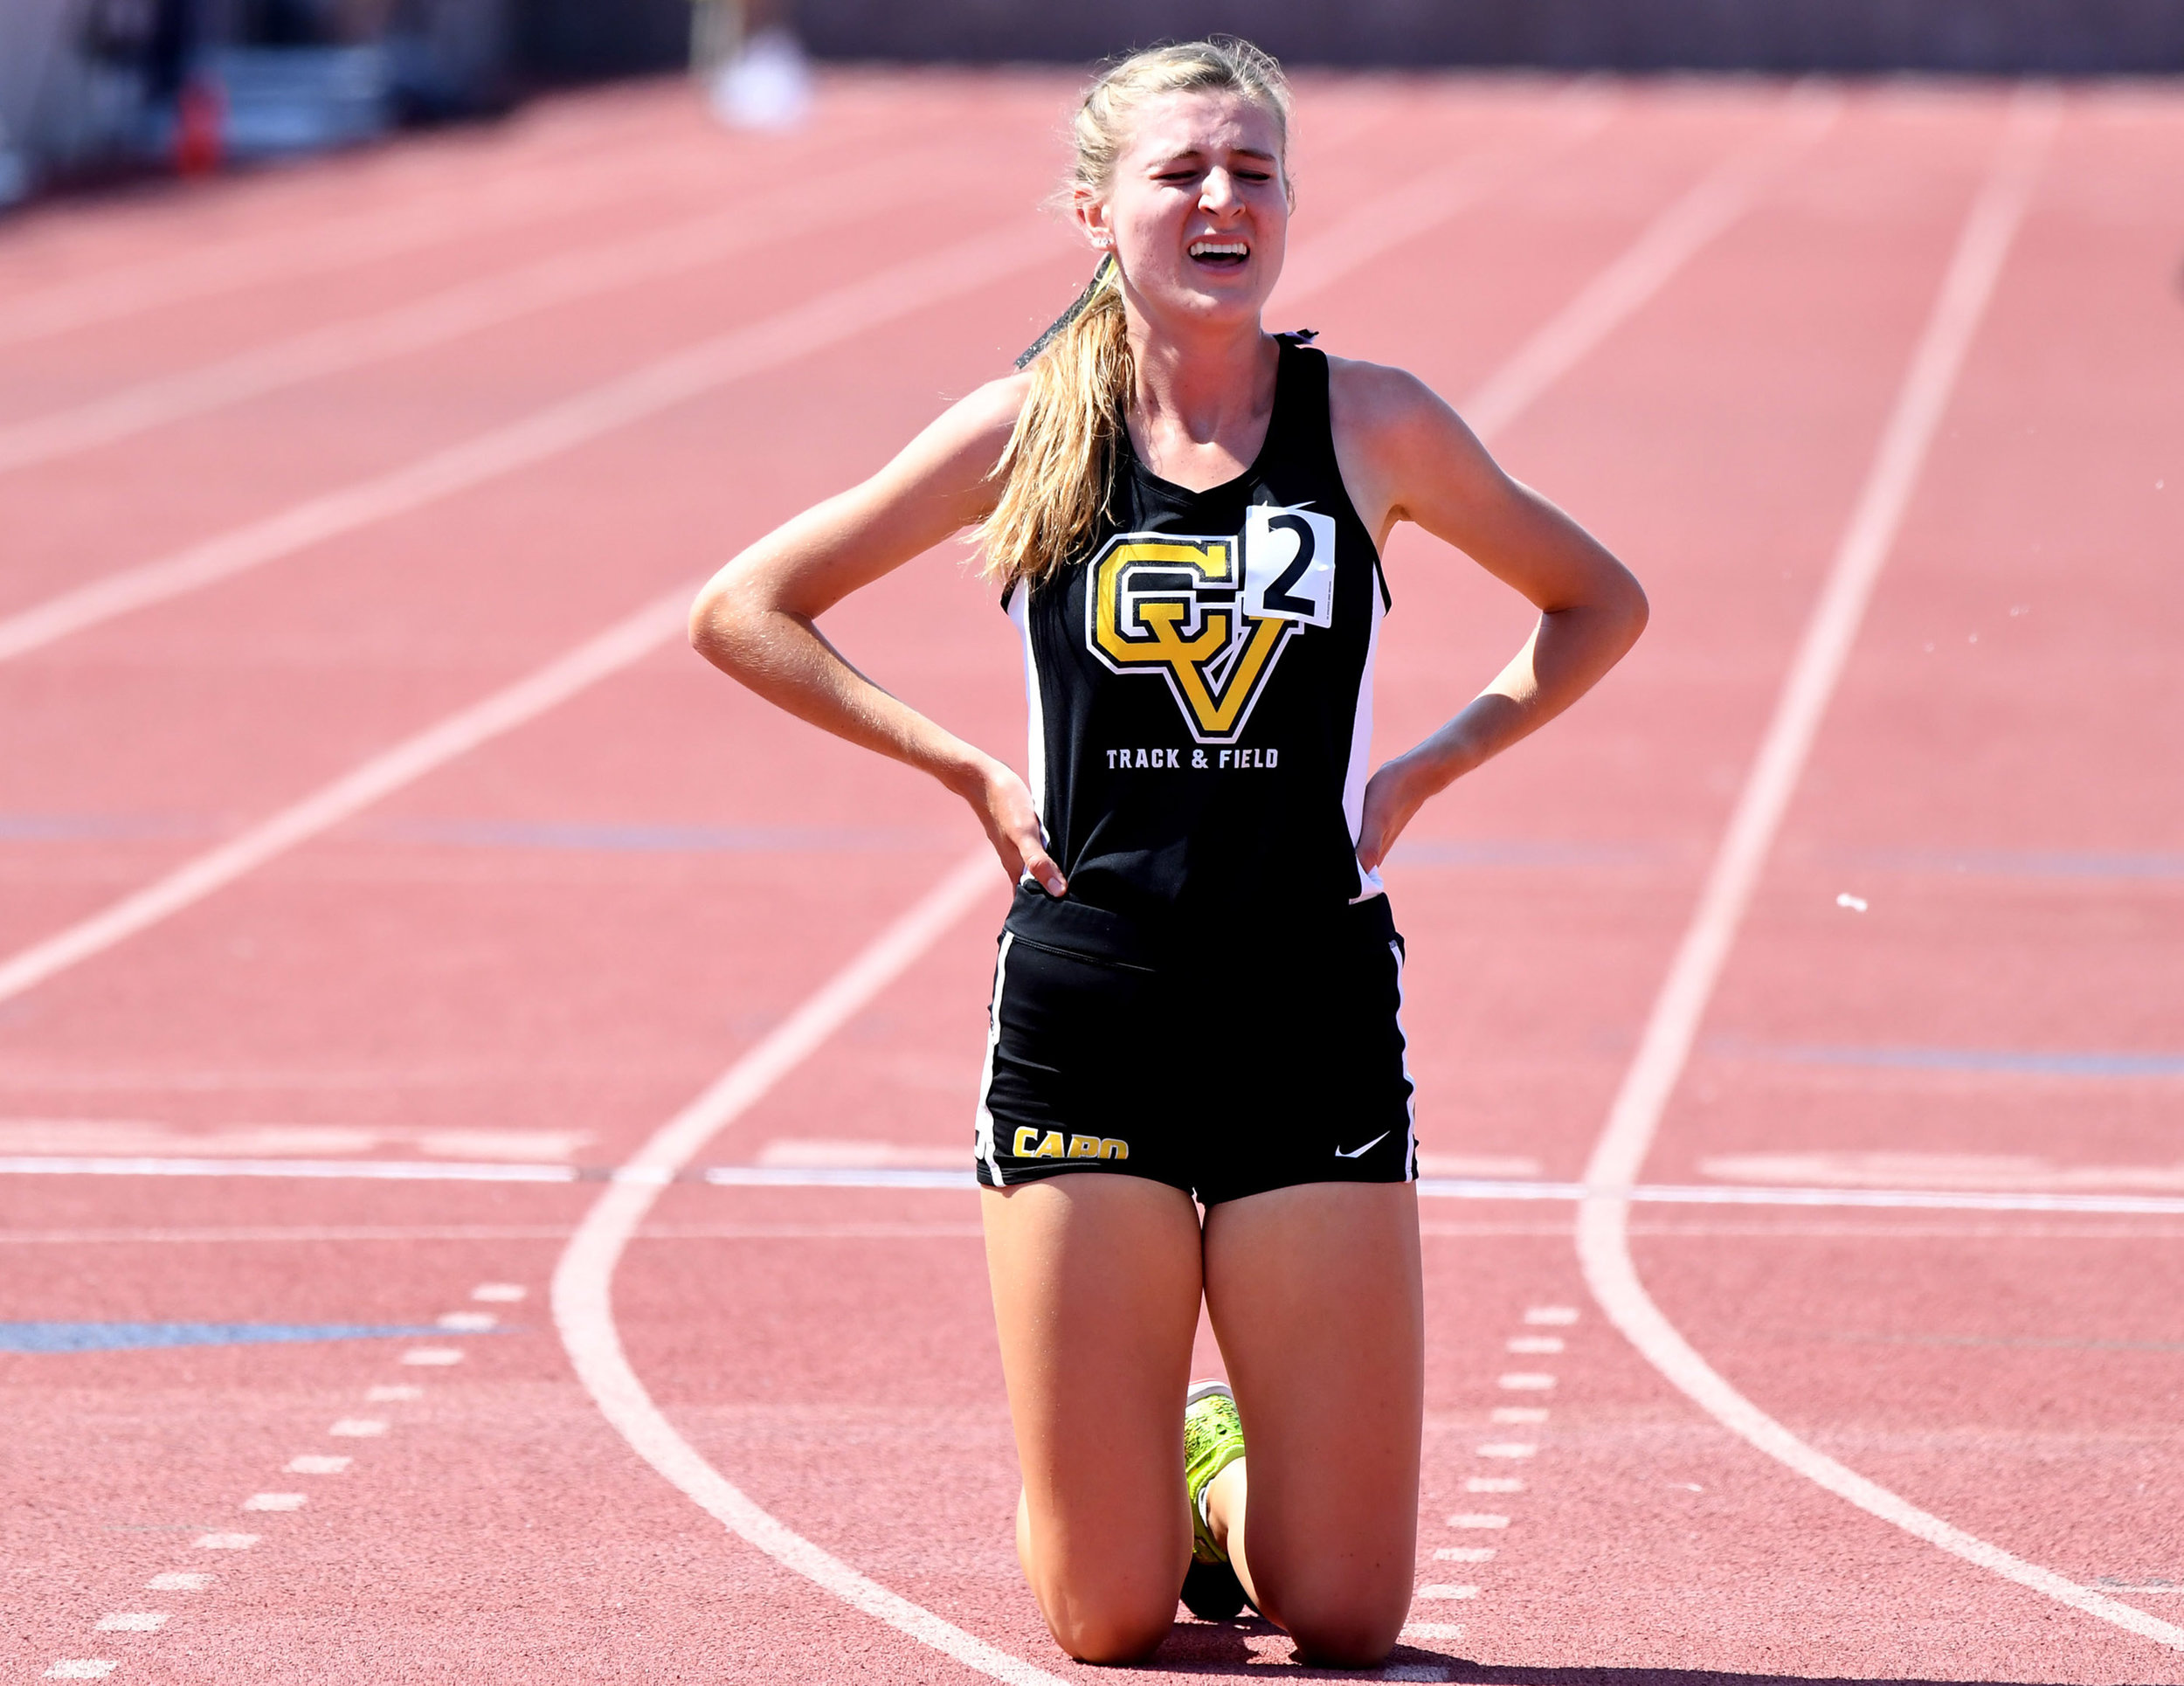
980	423
953	458
1377	403
1398	442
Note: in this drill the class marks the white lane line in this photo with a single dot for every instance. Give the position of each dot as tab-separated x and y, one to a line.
474	305
174	1581
609	652
1441	1589
226	1542
274	1502
1603	1240
1493	1484
1669	242
1551	1315
1535	1343
429	1171
583	1288
1428	1630
467	1323
1527	1381
132	1622
1512	1414
885	1177
1373	228
1477	1519
432	1357
547	189
81	1669
842	314
317	1463
1506	1450
498	1293
359	1428
1463	1553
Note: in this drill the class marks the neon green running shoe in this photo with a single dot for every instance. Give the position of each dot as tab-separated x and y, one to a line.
1213	1439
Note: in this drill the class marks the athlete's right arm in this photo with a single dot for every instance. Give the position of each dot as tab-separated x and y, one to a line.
758	619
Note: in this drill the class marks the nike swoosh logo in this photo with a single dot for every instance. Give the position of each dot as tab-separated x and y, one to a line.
1360	1153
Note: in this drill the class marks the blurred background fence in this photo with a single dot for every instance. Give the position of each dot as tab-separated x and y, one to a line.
89	87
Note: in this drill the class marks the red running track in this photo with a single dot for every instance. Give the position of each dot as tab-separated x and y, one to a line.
538	949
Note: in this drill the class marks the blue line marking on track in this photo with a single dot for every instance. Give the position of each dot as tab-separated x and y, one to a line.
2062	1062
596	837
2026	863
610	838
121	1337
81	827
1519	852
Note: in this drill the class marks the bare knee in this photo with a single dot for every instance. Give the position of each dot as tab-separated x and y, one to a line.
1345	1627
1110	1630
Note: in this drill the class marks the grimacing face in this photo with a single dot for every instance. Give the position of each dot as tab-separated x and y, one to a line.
1197	208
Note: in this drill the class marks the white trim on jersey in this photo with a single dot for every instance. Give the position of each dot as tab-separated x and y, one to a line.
987	1150
1353	784
1020	610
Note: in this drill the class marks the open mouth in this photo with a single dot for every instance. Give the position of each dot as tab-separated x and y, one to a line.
1220	254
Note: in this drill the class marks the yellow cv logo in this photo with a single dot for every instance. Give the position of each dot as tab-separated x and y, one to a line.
1181	609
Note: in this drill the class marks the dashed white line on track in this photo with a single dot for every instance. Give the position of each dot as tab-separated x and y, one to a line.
1524	1381
1551	1313
132	1622
317	1463
1463	1553
178	1581
1477	1519
1517	1414
1493	1484
226	1542
431	1357
1432	1630
274	1502
1535	1343
467	1323
498	1293
1506	1450
1441	1590
358	1428
81	1669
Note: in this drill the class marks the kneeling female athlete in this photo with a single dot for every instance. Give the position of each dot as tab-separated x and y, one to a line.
1198	984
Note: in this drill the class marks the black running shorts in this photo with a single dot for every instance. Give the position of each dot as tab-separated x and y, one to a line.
1221	1066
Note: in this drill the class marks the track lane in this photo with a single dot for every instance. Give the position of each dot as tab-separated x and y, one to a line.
2049	1454
867	778
1704	1637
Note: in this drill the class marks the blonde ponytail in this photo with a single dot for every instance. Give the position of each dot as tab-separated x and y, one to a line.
1058	467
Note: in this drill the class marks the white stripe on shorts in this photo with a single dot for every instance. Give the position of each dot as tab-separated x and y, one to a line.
987	1150
1410	1101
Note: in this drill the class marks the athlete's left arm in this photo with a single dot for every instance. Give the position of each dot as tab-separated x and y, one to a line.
1407	456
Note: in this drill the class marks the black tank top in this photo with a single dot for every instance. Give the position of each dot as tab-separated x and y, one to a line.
1200	678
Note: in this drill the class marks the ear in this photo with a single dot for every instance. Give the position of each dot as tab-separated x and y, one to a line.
1091	217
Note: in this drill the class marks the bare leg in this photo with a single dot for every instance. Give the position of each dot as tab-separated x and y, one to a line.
1315	1296
1095	1294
